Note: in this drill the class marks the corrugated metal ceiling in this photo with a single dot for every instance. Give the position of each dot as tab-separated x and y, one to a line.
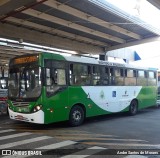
97	25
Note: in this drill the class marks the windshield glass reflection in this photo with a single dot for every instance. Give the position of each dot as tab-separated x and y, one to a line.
25	82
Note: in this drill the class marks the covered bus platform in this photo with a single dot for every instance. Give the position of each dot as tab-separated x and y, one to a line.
84	26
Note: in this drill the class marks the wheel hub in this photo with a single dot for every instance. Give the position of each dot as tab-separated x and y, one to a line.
76	116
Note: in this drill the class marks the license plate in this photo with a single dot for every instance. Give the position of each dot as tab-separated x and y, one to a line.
19	117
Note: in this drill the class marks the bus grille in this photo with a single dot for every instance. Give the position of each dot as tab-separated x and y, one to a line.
20	104
3	93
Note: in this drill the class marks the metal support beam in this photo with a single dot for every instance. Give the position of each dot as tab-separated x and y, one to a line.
36	37
146	40
53	31
89	18
72	25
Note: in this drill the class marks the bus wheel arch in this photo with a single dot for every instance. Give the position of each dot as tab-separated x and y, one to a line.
77	115
133	107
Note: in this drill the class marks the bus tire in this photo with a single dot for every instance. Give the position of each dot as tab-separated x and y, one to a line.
133	108
76	116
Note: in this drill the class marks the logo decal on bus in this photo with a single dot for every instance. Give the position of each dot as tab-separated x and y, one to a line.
113	93
102	96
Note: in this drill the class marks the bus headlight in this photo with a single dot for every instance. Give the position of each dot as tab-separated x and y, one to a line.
37	108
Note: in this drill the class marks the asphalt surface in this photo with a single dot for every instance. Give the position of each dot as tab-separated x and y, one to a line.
116	135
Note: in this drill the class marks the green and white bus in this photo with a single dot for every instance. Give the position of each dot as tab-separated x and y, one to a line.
46	88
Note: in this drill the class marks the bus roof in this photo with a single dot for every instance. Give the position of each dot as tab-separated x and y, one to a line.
85	60
92	60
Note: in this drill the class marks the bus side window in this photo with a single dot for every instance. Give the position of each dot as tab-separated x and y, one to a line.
48	77
96	75
61	77
71	75
32	78
141	78
152	78
130	79
80	74
55	77
104	75
112	76
119	79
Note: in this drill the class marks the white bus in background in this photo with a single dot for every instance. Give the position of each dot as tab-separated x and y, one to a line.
158	83
3	93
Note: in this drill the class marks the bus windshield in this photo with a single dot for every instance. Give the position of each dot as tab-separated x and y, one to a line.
25	82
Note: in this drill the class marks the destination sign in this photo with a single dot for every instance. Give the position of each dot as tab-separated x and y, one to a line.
111	64
23	60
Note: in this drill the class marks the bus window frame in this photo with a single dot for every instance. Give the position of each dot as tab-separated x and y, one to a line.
51	67
70	75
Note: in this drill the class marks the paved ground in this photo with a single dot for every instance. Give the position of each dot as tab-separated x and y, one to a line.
103	136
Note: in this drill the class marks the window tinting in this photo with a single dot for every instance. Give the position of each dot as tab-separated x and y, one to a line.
80	74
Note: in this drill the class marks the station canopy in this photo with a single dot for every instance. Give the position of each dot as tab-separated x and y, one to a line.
84	26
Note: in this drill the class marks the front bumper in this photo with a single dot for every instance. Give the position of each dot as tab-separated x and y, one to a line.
37	117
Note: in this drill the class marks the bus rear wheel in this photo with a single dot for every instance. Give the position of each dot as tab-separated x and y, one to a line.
133	108
76	116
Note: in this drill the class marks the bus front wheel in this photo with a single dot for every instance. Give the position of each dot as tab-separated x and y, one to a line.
133	108
76	116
